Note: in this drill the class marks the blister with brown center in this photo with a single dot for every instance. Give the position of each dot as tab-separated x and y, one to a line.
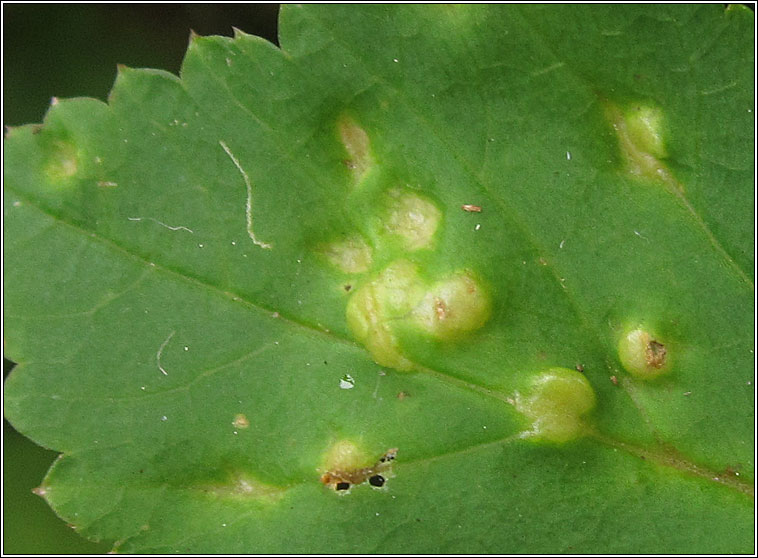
376	475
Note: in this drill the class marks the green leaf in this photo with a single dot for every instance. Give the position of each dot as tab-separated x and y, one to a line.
508	246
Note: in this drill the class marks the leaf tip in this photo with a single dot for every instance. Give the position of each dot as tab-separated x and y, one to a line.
121	70
239	33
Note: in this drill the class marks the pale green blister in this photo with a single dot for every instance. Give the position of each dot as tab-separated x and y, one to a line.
555	403
63	162
453	307
349	255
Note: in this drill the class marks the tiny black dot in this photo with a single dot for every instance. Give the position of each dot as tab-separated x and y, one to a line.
376	480
343	486
348	287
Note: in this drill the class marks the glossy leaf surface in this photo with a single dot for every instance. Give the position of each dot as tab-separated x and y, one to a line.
512	242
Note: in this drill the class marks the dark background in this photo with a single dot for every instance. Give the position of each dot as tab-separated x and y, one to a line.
71	50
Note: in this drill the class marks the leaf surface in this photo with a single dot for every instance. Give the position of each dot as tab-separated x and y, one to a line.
226	288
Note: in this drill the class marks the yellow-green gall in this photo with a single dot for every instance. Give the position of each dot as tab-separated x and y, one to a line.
344	455
643	355
357	145
62	161
453	307
412	219
349	255
645	129
639	129
399	296
555	402
372	307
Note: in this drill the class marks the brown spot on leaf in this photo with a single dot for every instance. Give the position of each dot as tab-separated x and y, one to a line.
655	354
342	480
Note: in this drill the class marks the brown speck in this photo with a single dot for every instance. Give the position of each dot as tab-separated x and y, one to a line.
471	208
349	164
614	380
440	308
580	368
389	456
542	261
731	471
402	395
343	480
655	354
348	287
240	421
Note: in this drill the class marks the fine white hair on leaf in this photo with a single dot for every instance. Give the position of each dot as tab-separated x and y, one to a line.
179	228
249	202
160	352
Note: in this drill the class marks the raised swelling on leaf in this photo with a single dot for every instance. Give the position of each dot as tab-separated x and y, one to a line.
399	296
556	402
357	145
644	356
639	129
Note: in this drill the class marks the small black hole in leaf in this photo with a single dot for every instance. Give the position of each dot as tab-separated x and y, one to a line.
342	486
376	480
